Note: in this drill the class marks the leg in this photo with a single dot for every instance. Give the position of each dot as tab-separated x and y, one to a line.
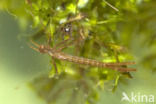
49	40
66	45
81	33
53	62
59	44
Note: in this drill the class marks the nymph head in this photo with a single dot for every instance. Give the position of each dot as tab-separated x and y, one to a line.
42	48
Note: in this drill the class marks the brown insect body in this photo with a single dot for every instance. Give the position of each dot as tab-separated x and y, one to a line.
85	61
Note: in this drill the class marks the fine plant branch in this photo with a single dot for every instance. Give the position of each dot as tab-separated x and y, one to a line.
111	6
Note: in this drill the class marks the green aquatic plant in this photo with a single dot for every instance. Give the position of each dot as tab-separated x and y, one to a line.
106	31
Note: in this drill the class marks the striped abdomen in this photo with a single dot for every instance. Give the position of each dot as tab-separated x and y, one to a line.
90	62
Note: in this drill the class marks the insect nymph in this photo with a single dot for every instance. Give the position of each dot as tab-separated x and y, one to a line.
57	54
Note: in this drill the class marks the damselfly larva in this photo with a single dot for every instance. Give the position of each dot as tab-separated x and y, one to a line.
84	61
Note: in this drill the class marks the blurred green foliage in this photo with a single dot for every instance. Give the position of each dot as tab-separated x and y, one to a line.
111	31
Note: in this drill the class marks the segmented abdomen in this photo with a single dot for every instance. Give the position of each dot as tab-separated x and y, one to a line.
91	62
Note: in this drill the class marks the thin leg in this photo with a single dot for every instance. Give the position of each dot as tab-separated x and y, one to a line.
116	56
81	33
53	62
49	40
66	45
59	44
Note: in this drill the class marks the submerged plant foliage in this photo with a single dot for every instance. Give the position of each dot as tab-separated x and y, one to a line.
108	31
